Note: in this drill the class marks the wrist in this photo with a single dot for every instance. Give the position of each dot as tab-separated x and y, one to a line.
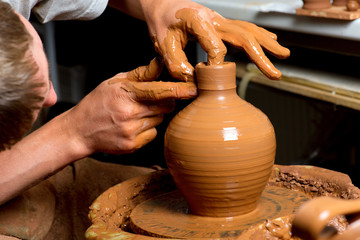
61	135
71	136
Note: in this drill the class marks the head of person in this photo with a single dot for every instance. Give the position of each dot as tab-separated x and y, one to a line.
25	85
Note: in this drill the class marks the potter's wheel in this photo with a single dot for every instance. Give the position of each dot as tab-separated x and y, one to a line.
147	194
168	215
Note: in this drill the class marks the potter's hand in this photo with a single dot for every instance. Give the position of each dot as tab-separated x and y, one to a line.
170	22
140	82
121	114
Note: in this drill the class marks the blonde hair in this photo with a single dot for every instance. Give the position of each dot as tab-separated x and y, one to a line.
18	97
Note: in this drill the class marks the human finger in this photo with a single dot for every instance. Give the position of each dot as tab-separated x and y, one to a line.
265	38
144	138
242	38
232	30
143	73
154	91
251	27
160	106
155	108
151	122
147	73
137	126
205	33
257	55
171	48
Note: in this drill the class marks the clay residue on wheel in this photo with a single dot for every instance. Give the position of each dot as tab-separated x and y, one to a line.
110	212
280	228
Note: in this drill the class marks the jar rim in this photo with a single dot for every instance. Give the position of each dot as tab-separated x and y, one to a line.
216	77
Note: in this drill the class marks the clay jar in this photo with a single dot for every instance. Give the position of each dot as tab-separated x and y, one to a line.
339	3
316	4
352	5
220	149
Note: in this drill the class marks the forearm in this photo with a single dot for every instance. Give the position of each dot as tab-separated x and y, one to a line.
133	8
142	9
37	156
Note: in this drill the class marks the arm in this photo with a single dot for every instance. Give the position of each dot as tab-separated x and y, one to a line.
171	21
132	8
40	154
119	116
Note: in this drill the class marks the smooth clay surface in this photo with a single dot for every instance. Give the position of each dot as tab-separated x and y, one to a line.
220	149
352	5
316	4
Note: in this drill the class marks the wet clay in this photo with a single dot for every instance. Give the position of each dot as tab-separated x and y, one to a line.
58	208
211	30
315	181
235	33
207	39
312	218
316	4
140	83
141	74
281	228
220	149
110	212
168	216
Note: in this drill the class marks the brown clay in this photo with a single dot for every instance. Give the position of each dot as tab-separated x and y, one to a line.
316	4
211	30
235	32
153	91
167	216
339	3
140	83
220	149
141	74
110	212
352	5
315	181
312	218
30	215
57	208
217	49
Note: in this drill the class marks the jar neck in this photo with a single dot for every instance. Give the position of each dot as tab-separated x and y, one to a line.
218	96
216	77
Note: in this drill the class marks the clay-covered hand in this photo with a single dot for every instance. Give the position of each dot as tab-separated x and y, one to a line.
171	21
120	115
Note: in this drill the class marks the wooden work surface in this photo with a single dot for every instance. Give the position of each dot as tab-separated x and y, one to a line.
332	12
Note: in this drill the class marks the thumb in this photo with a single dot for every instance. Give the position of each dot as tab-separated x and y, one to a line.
155	91
142	73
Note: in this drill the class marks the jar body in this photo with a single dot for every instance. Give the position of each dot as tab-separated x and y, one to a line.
339	3
316	4
220	151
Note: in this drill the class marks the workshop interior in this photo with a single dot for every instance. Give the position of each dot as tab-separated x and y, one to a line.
309	131
314	110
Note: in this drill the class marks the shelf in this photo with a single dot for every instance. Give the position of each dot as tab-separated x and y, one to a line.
281	14
314	84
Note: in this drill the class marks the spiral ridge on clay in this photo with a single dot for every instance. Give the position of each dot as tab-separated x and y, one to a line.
220	151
